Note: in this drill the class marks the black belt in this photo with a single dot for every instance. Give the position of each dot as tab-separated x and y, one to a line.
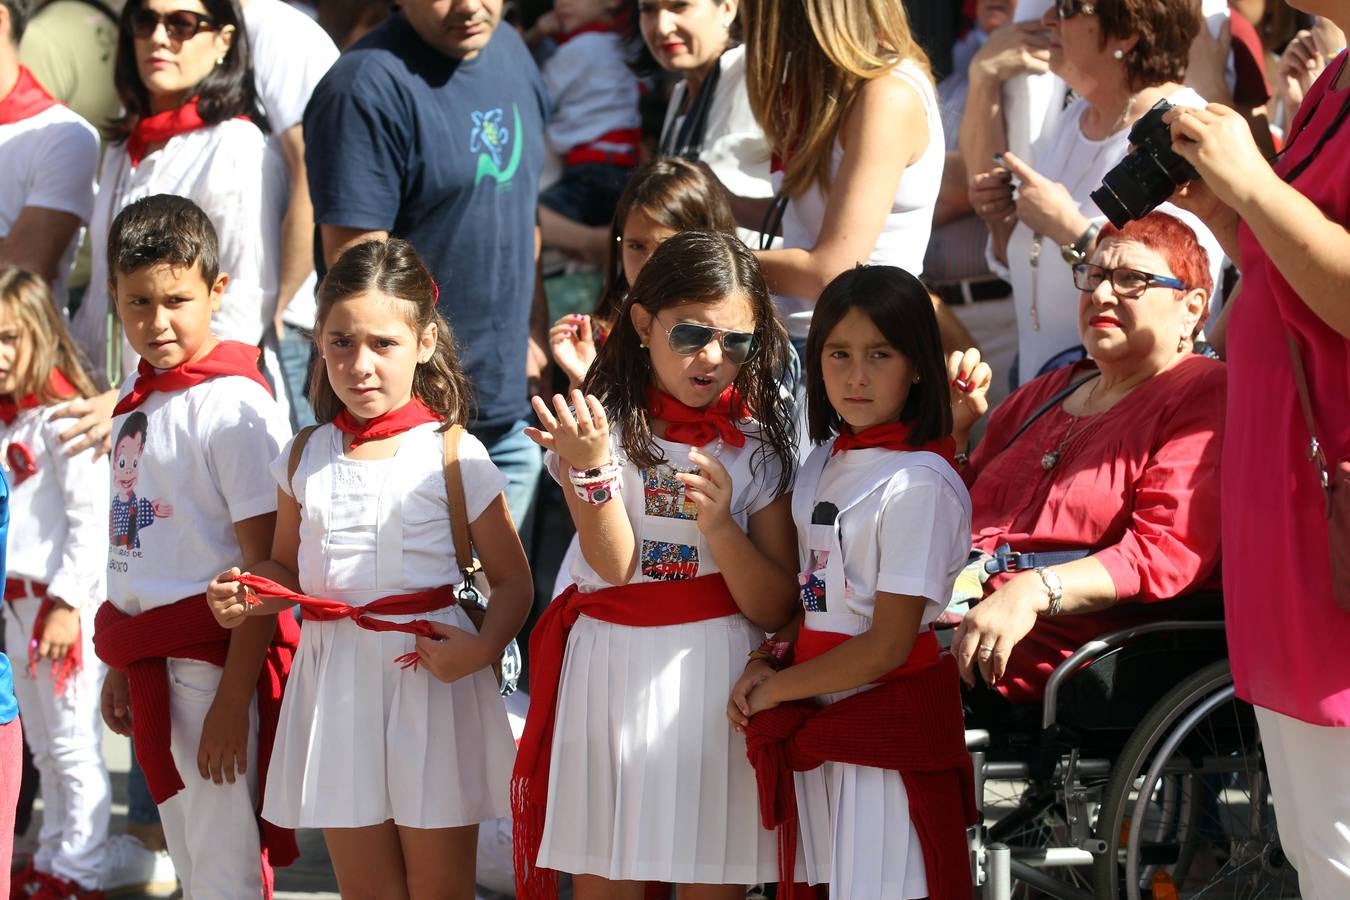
1006	559
961	293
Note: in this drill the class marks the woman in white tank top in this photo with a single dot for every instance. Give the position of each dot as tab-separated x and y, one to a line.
845	97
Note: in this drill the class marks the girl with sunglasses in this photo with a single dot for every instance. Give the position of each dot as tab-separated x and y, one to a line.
883	529
193	126
675	463
57	556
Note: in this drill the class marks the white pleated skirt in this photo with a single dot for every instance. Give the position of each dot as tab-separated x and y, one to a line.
362	741
648	780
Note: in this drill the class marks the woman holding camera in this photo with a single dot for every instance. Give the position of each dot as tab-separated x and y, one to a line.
1119	57
1288	615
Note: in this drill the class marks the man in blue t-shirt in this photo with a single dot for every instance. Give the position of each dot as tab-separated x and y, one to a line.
431	129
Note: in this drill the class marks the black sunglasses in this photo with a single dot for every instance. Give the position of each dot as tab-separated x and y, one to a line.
180	25
1067	9
687	338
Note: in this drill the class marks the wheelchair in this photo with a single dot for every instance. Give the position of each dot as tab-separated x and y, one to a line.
1149	798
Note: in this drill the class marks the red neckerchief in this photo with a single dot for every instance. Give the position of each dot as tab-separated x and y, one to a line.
226	358
27	99
162	126
892	436
58	386
686	425
396	421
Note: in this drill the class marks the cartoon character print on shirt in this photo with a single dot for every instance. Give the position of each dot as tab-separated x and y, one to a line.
489	138
663	497
813	581
130	513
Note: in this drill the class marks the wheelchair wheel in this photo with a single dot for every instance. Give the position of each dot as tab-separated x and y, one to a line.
1189	803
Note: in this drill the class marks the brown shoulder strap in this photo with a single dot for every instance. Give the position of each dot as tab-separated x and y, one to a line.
297	448
1301	386
454	495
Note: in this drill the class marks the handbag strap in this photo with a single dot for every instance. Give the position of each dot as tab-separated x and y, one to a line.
1315	453
1047	406
454	495
297	448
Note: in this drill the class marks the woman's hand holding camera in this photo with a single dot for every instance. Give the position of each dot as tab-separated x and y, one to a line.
1218	142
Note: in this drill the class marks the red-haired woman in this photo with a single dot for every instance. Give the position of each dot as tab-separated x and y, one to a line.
1114	461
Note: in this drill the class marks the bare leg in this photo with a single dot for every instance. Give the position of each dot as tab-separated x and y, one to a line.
440	862
593	887
711	892
368	862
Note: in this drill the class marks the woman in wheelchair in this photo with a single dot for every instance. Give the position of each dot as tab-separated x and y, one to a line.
1095	490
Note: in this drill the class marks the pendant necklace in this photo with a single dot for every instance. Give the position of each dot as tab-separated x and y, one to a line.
1051	457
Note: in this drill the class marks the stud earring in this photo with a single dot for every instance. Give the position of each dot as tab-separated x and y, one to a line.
1118	53
916	378
220	60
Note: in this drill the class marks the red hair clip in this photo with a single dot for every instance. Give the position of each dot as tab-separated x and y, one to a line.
21	462
435	292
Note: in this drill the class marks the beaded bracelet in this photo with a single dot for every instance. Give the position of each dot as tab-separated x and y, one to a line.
775	653
595	486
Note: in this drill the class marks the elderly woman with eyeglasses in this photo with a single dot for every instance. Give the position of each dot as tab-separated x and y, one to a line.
1119	57
1110	466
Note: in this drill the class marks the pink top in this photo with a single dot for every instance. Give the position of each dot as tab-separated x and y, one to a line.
1287	639
1137	484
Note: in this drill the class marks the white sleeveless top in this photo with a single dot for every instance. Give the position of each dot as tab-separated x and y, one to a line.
904	237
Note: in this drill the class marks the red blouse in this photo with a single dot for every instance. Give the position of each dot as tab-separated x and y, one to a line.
1138	484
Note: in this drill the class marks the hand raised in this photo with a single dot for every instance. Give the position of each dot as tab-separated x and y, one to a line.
580	438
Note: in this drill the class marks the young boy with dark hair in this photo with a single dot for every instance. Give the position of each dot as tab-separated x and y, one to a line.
200	701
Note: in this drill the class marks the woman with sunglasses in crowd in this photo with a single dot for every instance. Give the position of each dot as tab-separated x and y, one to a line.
1119	57
193	126
1111	466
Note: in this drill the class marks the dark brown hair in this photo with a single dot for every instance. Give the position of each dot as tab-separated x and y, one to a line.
393	268
163	229
676	194
899	305
1165	29
697	267
20	14
29	301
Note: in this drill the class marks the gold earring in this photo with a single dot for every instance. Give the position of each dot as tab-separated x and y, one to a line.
916	378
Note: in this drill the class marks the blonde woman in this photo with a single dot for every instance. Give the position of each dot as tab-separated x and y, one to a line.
844	94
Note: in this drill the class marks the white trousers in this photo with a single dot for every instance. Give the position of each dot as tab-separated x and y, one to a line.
1311	787
211	829
65	735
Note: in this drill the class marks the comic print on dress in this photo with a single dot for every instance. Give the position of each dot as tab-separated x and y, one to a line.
813	582
663	497
129	513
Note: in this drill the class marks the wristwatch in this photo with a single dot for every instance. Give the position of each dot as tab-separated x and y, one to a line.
1077	251
1054	587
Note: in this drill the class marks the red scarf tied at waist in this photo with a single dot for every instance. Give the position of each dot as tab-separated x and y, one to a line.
396	421
226	358
652	604
699	426
321	609
26	99
892	436
68	666
911	724
140	646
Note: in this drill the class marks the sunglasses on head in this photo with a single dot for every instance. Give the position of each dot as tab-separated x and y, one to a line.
687	338
180	25
1067	9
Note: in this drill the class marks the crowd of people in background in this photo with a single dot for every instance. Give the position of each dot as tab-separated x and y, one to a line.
809	324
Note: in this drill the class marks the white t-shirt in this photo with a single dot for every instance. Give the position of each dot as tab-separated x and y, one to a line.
1063	153
592	89
664	522
59	514
239	181
349	554
48	161
909	535
290	55
201	466
903	240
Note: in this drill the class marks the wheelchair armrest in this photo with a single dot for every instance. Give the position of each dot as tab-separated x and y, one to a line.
1094	648
976	738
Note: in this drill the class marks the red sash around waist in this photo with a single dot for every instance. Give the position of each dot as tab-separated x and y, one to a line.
911	724
68	666
321	609
140	646
651	604
618	148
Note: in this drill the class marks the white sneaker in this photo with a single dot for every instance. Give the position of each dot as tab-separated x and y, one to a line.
130	866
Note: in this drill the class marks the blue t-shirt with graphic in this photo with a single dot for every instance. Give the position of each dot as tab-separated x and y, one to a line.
9	707
445	154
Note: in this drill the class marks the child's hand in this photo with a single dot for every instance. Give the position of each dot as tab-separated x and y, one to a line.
738	706
453	654
60	631
223	749
571	340
582	440
228	599
760	697
115	702
710	489
969	378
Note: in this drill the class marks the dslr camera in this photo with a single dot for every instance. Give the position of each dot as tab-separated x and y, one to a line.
1148	175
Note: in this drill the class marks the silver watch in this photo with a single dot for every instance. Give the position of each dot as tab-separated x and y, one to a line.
1054	587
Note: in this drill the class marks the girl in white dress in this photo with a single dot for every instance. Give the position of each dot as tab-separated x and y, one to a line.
628	771
883	525
396	765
